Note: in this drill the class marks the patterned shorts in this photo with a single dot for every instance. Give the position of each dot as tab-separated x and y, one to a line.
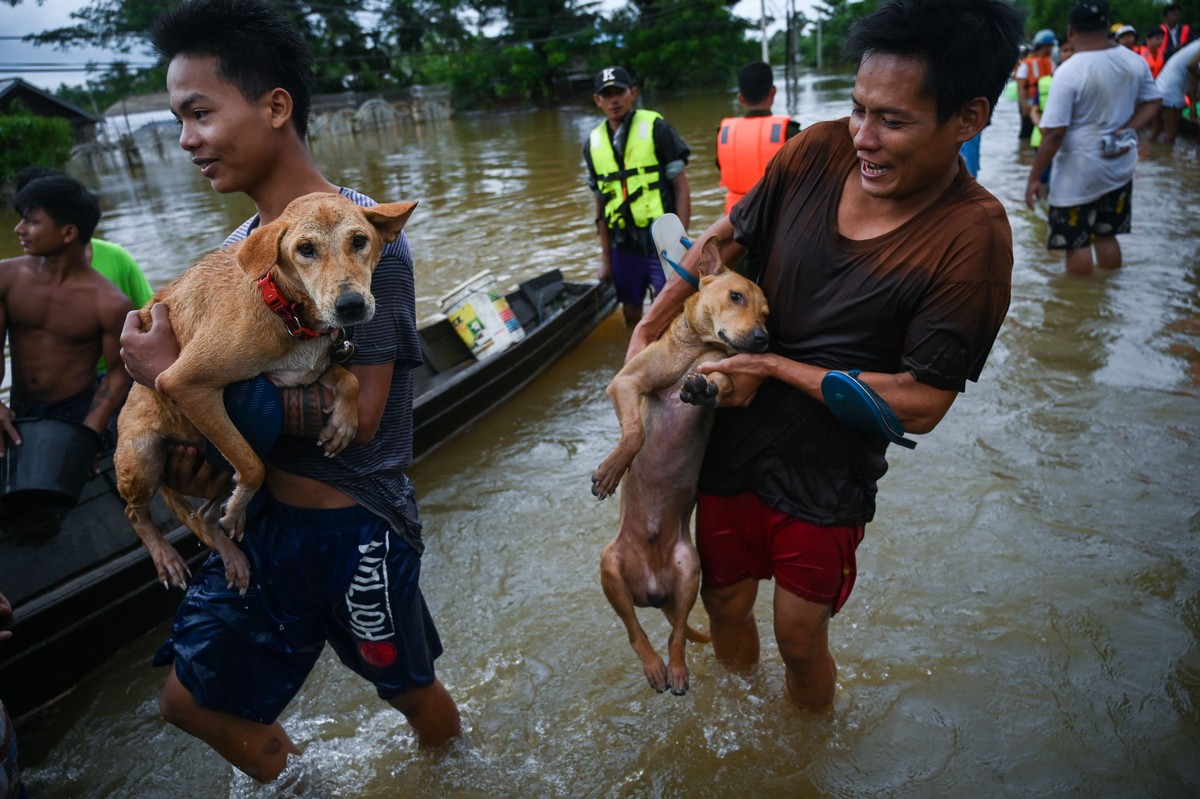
1074	227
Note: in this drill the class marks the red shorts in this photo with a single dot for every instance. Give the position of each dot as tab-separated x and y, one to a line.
740	538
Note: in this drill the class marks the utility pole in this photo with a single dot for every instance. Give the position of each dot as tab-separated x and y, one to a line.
818	42
766	54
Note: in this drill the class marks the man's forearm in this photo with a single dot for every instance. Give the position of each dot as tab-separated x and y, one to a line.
107	400
683	199
304	410
1143	115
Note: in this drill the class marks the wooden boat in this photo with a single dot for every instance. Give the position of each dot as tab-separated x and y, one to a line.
82	586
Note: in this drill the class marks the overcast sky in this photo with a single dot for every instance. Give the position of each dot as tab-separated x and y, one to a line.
48	68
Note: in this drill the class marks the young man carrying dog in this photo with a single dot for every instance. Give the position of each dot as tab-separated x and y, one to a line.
60	315
335	555
881	254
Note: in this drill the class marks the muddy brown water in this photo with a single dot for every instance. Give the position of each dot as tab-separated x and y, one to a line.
1027	614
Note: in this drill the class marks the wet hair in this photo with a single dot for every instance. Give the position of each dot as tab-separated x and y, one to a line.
755	81
64	199
969	47
256	46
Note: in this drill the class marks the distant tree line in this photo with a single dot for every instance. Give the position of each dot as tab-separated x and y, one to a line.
489	52
522	52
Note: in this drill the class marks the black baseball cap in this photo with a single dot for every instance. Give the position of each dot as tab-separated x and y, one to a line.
1094	12
613	76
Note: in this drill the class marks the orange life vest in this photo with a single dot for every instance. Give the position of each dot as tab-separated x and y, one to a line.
1037	67
1154	60
1185	36
744	146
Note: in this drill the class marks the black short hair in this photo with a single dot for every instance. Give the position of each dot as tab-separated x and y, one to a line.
64	199
969	47
1172	7
256	46
755	81
32	173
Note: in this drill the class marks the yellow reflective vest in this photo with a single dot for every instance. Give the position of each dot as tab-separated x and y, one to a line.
633	192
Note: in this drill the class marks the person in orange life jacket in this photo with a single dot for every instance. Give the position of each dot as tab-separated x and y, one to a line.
1029	71
745	144
1175	33
1154	50
636	167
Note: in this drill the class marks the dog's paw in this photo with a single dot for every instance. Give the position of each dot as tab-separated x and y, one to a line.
600	489
334	439
237	568
339	431
677	680
171	567
656	674
697	390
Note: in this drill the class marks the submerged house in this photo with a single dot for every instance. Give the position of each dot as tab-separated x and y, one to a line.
18	96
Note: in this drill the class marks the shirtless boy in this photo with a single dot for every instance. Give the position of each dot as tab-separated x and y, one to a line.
59	314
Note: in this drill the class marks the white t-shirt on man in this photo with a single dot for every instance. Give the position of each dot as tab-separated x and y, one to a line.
1094	93
1173	79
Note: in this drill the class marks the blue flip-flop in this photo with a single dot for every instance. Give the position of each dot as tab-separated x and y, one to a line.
855	403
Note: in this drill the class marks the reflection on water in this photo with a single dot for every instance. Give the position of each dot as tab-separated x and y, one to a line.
1027	616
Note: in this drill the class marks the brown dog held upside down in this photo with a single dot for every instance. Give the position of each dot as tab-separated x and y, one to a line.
652	561
313	265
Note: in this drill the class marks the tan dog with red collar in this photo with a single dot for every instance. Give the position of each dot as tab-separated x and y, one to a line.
313	268
652	561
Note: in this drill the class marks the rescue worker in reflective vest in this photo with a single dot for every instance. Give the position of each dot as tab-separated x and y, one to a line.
636	166
1029	72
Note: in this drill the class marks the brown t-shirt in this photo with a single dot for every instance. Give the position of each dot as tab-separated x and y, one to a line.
926	298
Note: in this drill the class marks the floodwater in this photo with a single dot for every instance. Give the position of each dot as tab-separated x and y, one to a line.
1027	616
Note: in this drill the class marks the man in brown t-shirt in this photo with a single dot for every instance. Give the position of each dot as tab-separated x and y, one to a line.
881	254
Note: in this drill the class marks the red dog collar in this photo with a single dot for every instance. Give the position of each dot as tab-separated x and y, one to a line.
287	311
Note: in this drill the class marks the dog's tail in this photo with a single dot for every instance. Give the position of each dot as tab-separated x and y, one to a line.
696	636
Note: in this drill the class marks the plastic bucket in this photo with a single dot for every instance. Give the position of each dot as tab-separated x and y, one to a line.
48	470
482	316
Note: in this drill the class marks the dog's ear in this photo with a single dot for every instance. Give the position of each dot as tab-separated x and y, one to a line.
260	251
389	218
710	257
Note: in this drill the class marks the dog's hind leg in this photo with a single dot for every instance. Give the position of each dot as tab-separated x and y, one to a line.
139	461
613	581
204	406
687	587
237	568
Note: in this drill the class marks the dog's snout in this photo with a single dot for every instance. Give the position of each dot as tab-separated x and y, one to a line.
759	339
350	306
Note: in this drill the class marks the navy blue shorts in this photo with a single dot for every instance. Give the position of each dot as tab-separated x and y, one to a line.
634	273
316	575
